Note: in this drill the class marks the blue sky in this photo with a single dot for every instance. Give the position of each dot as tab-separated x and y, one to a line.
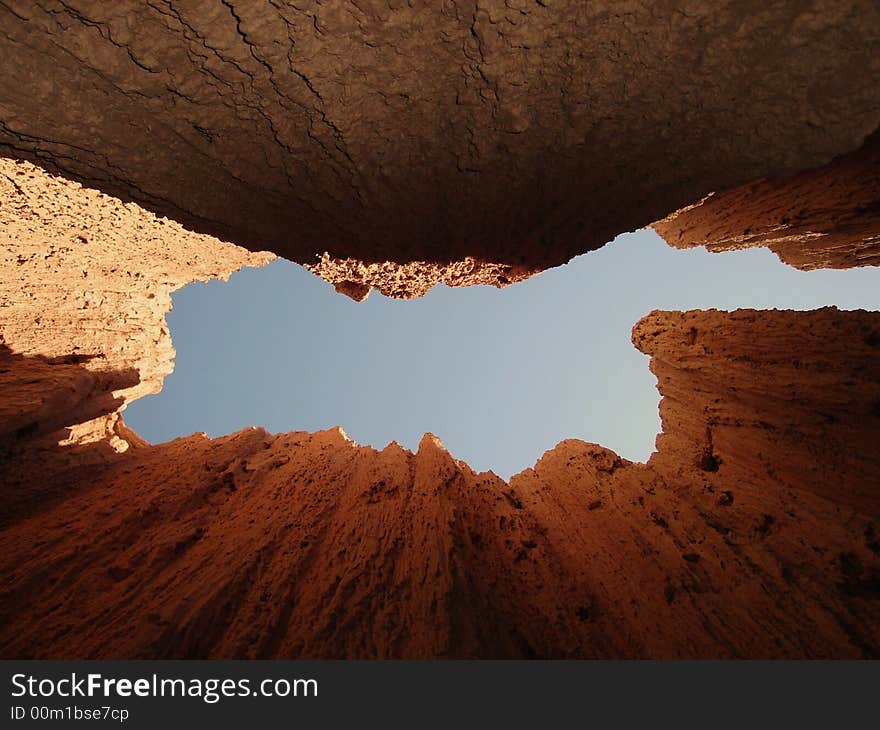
500	376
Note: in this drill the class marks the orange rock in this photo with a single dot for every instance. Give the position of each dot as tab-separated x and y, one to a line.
308	545
462	148
828	217
414	141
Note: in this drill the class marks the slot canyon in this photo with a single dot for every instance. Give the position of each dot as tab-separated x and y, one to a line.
147	144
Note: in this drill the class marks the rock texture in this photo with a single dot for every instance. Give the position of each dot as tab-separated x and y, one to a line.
356	279
86	283
502	136
752	532
395	145
796	406
823	218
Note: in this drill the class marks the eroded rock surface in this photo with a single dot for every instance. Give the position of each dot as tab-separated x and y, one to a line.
762	542
508	133
823	218
85	282
394	146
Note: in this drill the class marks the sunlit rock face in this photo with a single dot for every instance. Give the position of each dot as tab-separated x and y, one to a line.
85	284
454	142
511	134
827	217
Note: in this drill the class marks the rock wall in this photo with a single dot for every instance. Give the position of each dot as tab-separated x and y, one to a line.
394	147
827	217
86	283
472	140
795	405
761	543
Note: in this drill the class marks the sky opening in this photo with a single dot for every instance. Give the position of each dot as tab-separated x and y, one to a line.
500	376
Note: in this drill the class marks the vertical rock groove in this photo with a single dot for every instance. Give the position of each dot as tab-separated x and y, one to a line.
307	545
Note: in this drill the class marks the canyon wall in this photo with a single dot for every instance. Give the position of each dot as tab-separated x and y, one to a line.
761	543
827	217
86	283
396	145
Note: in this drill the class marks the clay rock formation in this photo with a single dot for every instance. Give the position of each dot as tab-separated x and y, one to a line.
752	531
86	281
761	543
504	136
394	146
822	218
414	279
718	385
